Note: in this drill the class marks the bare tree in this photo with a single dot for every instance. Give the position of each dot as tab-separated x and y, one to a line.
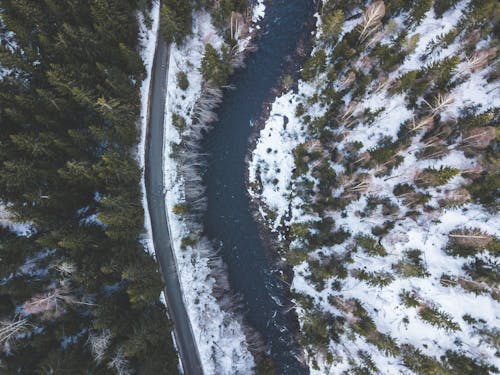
51	303
422	123
441	102
99	343
372	19
480	59
119	363
474	237
10	329
478	138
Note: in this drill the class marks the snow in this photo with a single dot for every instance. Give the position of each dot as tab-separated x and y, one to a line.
258	11
220	339
273	153
219	334
147	39
8	222
272	161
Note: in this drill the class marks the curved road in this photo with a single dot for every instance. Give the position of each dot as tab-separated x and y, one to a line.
184	337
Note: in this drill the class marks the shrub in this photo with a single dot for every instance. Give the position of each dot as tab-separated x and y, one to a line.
215	66
435	177
419	9
467	242
370	245
377	278
411	265
189	241
409	299
299	110
438	318
314	65
401	189
382	230
441	6
486	190
182	81
179	122
180	209
385	151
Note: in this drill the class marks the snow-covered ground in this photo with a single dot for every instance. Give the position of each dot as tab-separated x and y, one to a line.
271	182
147	39
7	221
219	334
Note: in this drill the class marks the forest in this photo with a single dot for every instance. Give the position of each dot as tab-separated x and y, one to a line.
386	205
79	294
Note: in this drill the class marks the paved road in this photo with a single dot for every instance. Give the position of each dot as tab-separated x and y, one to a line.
159	222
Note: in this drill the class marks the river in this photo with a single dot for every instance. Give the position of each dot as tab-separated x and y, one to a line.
229	221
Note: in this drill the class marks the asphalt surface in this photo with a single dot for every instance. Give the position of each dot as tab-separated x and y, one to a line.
155	189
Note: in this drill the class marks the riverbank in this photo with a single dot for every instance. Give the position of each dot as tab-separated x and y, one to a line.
221	335
228	220
348	166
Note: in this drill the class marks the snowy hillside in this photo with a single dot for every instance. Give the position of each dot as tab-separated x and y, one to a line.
380	177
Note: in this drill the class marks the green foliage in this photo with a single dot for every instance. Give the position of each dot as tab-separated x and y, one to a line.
315	65
170	30
419	9
412	264
459	364
176	20
179	122
438	318
391	56
265	366
486	190
483	14
142	287
302	156
401	189
432	79
484	269
182	81
377	278
431	177
215	66
315	328
331	26
180	209
221	11
189	241
441	6
370	245
469	241
409	299
68	130
406	81
421	363
385	151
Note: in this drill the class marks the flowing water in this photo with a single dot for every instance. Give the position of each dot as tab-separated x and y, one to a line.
229	221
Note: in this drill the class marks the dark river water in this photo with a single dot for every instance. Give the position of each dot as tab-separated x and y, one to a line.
229	220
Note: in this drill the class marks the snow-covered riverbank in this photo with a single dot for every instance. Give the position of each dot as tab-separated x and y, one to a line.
340	279
218	331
